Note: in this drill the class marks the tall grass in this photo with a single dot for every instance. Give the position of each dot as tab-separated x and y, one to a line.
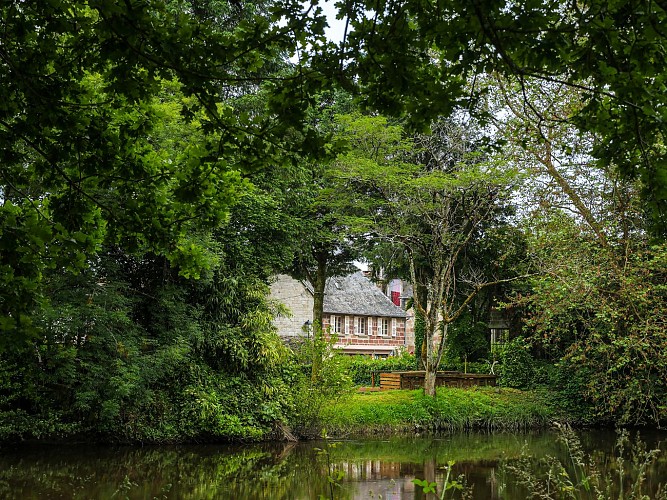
578	476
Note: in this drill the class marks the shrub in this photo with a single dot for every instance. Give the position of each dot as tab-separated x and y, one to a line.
466	339
517	366
564	389
481	367
361	368
311	394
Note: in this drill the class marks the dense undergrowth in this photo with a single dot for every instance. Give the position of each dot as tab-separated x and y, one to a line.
104	389
181	393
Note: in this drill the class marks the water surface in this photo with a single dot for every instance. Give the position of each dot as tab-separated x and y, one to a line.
368	468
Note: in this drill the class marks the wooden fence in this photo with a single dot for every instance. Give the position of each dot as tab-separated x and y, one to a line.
415	380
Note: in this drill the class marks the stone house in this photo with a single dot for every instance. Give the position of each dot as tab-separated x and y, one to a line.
362	318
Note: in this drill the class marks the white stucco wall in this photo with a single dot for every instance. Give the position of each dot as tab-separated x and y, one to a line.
294	295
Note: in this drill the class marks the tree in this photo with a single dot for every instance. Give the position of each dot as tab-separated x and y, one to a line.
530	120
130	351
432	197
598	312
87	91
588	238
416	58
323	245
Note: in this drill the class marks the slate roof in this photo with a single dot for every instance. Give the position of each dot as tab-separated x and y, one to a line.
357	295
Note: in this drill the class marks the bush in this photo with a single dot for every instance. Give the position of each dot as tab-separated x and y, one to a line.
361	368
517	366
563	388
466	339
312	393
481	367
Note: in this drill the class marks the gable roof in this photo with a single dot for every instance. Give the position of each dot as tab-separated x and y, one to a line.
356	295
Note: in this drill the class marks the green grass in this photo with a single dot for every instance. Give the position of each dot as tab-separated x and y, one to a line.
453	409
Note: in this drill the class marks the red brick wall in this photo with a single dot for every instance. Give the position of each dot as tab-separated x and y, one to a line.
371	337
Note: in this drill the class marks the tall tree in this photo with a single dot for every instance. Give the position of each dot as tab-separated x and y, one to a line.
434	200
416	58
599	313
323	245
587	230
81	85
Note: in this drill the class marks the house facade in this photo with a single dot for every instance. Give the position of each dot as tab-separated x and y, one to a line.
362	319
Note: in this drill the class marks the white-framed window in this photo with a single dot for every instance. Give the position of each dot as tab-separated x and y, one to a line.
336	324
498	337
384	327
362	325
394	325
348	325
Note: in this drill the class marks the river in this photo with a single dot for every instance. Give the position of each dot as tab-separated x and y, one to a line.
360	468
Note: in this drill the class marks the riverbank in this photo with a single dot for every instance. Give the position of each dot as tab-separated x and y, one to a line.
403	411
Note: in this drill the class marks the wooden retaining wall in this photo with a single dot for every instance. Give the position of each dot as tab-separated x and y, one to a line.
415	380
390	381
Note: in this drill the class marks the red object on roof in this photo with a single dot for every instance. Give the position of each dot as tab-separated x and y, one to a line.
396	298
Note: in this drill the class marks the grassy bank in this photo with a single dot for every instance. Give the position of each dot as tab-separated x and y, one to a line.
453	409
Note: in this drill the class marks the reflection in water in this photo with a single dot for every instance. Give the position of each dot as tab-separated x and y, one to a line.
371	468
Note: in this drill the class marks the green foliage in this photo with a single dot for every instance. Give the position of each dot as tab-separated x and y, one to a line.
420	332
129	124
516	364
482	367
613	53
363	369
427	487
128	135
602	316
312	394
431	197
452	409
133	352
466	340
448	484
564	389
577	476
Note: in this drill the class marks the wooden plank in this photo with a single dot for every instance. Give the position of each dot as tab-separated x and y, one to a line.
415	379
390	381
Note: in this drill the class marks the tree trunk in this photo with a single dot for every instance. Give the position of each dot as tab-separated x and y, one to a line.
423	355
431	361
318	314
429	380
